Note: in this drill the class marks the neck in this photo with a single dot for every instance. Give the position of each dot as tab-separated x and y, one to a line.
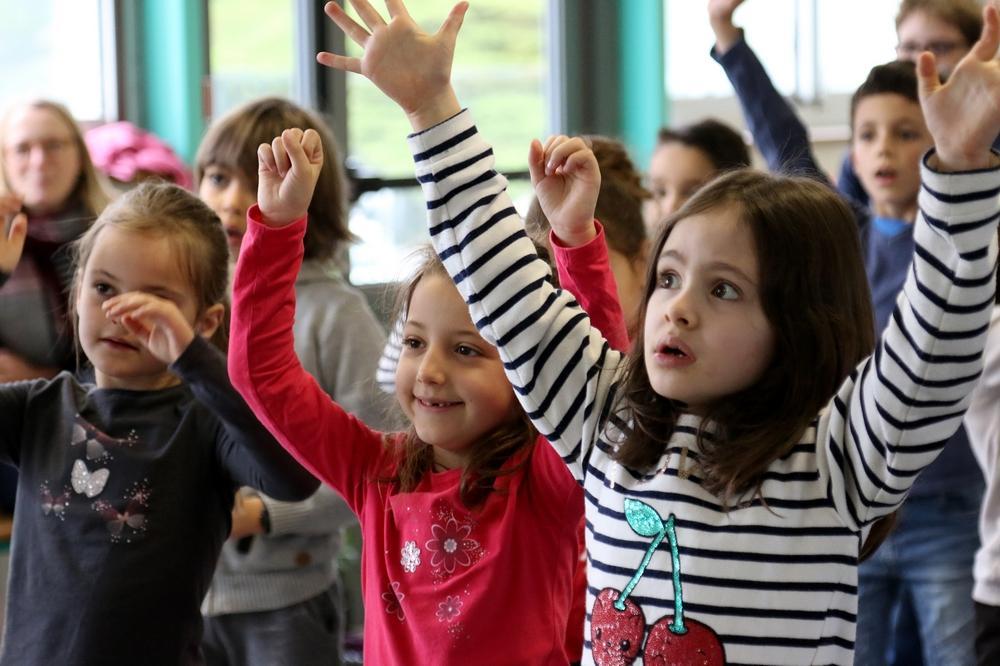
906	212
151	383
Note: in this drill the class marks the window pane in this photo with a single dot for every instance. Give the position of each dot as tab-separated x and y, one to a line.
872	41
251	50
54	50
500	73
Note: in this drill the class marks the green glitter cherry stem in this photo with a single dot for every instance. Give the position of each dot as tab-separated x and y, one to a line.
677	627
620	603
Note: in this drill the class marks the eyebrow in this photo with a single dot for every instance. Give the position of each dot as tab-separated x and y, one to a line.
712	265
464	331
153	289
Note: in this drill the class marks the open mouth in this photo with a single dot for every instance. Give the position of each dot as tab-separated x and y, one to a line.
885	174
438	404
673	351
118	343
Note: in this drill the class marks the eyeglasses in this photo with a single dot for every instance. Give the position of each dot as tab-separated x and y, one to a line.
49	147
910	50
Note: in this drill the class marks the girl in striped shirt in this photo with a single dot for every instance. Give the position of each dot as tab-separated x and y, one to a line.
733	462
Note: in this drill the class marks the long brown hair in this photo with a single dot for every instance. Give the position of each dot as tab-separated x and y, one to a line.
194	231
501	452
231	142
91	191
815	296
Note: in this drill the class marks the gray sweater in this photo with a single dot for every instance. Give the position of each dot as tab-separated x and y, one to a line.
339	342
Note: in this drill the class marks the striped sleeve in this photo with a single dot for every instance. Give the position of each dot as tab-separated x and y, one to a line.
561	368
892	417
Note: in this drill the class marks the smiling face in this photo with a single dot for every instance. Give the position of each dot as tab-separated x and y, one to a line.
706	335
123	261
890	136
228	194
41	159
450	382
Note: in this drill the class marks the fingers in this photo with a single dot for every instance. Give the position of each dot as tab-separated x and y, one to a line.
556	158
281	162
312	144
18	230
536	161
396	8
449	29
350	27
989	40
292	140
265	159
334	61
368	14
928	80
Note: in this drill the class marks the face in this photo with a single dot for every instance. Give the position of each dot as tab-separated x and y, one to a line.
706	335
123	261
41	159
227	193
920	32
676	171
890	137
449	381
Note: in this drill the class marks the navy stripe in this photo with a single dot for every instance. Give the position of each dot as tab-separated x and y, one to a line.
444	145
455	168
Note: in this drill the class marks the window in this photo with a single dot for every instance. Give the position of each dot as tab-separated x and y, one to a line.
63	51
500	72
251	51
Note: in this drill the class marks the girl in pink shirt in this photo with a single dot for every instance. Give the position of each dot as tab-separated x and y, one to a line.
470	525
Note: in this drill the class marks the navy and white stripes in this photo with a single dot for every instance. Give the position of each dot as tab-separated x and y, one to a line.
776	582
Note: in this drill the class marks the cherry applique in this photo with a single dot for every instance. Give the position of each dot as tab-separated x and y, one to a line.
617	625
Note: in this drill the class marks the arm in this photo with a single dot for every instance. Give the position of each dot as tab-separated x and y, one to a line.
12	238
13	403
322	513
777	131
247	451
890	418
584	272
336	446
982	420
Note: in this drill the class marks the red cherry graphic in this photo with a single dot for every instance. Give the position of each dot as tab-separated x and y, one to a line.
697	646
615	635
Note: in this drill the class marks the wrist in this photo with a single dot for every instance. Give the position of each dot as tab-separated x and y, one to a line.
726	35
952	161
576	238
435	110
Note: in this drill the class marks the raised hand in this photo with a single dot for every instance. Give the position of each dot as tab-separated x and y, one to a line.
12	242
567	181
720	17
412	67
156	323
287	171
963	115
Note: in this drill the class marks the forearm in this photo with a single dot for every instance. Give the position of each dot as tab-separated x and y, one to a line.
324	512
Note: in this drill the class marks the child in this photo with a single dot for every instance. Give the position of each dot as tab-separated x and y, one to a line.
684	160
127	484
931	550
619	208
717	436
458	512
284	580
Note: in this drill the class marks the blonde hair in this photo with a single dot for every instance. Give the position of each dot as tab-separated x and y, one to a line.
90	190
193	229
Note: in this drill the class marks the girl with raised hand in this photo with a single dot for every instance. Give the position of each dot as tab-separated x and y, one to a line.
733	461
470	527
127	483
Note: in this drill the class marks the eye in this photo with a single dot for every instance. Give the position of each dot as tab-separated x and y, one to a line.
103	289
217	177
466	350
410	342
866	136
726	291
909	135
668	280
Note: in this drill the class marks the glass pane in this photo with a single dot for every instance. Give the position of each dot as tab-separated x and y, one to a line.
251	50
391	223
500	73
53	49
872	41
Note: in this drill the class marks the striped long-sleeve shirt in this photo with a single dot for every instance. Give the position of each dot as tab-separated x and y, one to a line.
775	584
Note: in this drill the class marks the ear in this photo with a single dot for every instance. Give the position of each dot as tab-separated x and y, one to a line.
210	320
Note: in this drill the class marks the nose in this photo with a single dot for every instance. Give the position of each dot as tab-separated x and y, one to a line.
682	310
432	369
232	199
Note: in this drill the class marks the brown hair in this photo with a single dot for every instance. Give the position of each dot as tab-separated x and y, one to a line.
501	453
231	142
898	77
723	145
90	190
619	203
195	232
966	15
814	293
